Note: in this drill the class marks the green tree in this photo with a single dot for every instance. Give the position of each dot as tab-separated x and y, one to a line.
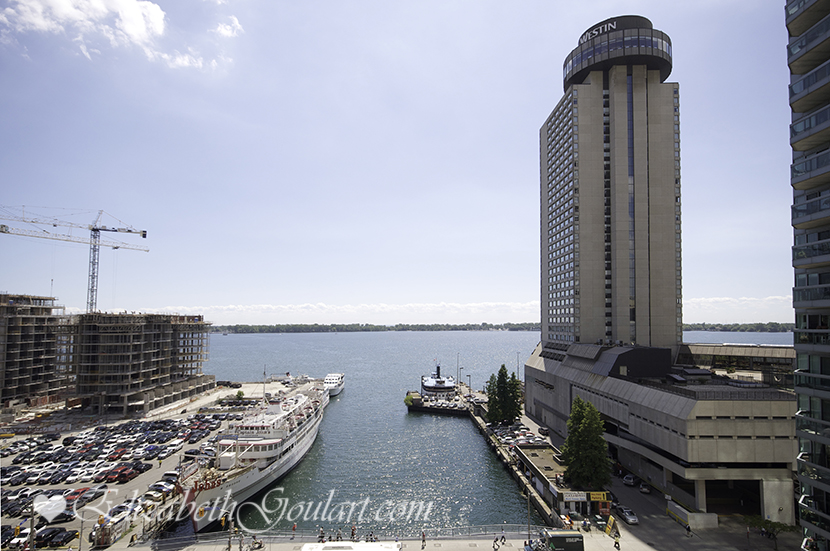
772	527
239	395
504	397
493	405
585	452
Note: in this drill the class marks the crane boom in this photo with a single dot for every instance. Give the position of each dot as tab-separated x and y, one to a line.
94	241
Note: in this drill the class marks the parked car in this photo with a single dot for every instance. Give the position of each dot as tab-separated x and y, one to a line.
630	480
627	515
645	488
63	538
44	535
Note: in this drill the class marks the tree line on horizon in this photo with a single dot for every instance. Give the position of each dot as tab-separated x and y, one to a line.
769	327
366	327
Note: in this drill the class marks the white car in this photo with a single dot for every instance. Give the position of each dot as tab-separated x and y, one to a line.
21	540
628	515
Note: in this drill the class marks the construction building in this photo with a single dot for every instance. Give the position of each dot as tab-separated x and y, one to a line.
133	363
31	370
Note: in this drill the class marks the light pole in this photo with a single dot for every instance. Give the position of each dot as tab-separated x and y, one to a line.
469	383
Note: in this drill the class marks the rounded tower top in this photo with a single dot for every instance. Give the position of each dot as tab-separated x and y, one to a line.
622	40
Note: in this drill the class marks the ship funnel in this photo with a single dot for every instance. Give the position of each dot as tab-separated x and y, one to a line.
437	371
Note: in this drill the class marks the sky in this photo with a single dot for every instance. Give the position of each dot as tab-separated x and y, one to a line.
362	161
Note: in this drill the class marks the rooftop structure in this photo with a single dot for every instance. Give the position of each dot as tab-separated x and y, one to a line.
714	444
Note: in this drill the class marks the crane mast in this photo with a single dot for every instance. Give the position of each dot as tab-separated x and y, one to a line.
94	240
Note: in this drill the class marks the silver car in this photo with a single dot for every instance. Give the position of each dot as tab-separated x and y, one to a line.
628	515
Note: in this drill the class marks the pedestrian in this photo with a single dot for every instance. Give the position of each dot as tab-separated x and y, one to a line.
423	539
502	536
495	543
688	531
617	541
293	530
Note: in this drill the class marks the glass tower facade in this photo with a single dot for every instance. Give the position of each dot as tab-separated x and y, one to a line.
808	56
610	194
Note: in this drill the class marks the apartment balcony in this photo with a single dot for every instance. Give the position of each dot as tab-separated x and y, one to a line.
809	49
812	90
803	14
817	296
811	214
812	255
812	130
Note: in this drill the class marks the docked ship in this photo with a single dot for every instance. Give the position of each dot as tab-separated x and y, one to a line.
267	444
334	383
437	385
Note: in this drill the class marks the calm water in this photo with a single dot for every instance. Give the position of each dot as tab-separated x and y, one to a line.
372	452
369	447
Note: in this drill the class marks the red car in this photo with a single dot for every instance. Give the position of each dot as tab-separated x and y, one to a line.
74	495
126	475
116	455
112	474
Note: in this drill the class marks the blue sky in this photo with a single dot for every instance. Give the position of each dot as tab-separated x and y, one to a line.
363	161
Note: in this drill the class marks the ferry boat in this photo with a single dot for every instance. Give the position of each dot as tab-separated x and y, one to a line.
436	385
268	443
334	383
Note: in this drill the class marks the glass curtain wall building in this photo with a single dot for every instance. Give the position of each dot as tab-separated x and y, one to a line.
808	56
610	194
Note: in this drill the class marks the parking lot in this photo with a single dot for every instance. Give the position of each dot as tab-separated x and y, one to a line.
73	480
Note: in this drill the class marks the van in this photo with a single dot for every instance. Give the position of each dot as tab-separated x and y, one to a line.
171	476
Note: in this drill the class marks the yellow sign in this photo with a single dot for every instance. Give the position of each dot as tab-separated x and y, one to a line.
599	496
610	526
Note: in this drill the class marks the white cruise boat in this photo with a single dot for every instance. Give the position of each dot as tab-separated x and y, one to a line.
436	385
334	383
267	445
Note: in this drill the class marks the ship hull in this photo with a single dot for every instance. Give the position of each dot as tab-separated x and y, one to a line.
209	505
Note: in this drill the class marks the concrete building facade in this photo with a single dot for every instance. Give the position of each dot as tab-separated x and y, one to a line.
808	57
31	369
612	293
610	194
134	363
713	444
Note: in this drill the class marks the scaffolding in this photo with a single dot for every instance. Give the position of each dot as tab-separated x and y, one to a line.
33	370
127	363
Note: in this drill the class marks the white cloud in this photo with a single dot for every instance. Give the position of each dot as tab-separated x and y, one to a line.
230	30
126	21
120	22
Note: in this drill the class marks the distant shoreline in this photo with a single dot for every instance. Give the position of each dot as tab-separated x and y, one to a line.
365	327
768	327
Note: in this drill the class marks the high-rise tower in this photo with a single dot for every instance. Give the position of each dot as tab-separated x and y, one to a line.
808	56
610	194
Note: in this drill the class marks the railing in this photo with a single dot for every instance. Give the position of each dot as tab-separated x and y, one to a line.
486	531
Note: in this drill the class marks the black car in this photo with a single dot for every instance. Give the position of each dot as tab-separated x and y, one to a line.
142	467
61	539
15	507
6	535
44	535
18	479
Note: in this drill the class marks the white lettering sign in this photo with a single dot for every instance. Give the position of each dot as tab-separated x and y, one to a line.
595	32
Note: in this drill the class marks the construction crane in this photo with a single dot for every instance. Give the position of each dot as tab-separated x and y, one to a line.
94	240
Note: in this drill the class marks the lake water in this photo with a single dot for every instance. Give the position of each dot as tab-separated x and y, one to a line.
371	451
369	446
